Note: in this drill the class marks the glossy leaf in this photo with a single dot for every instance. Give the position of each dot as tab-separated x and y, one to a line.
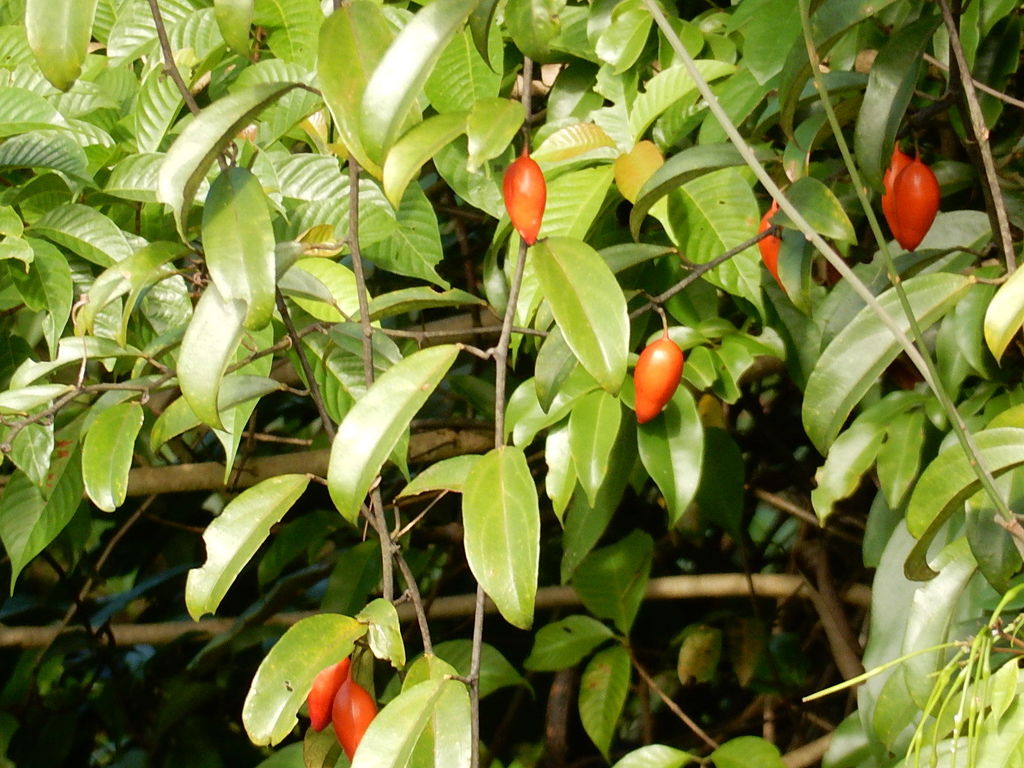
416	147
560	480
238	239
189	158
352	41
107	454
462	77
603	688
611	580
501	518
85	231
565	643
746	751
593	426
401	72
672	450
490	127
384	632
891	81
413	247
445	475
851	455
372	429
819	206
206	350
1005	314
852	362
495	670
58	33
393	734
286	674
588	306
31	520
574	141
234	17
233	537
655	756
667	88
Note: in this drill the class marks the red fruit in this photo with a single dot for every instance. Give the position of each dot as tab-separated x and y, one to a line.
900	160
352	713
770	245
657	374
525	194
916	193
321	695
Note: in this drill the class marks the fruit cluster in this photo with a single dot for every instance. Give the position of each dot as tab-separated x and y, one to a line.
911	198
338	699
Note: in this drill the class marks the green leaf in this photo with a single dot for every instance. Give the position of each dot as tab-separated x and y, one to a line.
501	517
233	537
534	25
46	149
31	520
26	111
293	26
699	654
655	756
19	401
238	239
1005	314
747	751
156	107
491	126
603	689
575	140
891	81
107	454
593	427
392	736
899	458
672	450
49	285
206	350
445	475
416	147
565	643
352	41
831	19
819	206
611	580
678	170
850	456
401	72
447	737
495	670
285	676
85	231
384	631
574	201
560	481
950	480
372	429
461	77
622	41
667	88
413	248
588	306
234	17
58	33
864	348
204	138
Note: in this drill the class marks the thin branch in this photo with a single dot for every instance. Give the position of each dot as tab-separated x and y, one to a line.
307	369
500	353
697	272
921	358
778	586
1003	97
961	75
688	721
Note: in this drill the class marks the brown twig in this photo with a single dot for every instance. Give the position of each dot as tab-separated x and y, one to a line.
697	272
684	587
960	74
688	721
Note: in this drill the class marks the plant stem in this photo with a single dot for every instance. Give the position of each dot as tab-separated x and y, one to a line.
963	435
500	384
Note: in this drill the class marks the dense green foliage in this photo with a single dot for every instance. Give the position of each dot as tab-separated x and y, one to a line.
262	313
